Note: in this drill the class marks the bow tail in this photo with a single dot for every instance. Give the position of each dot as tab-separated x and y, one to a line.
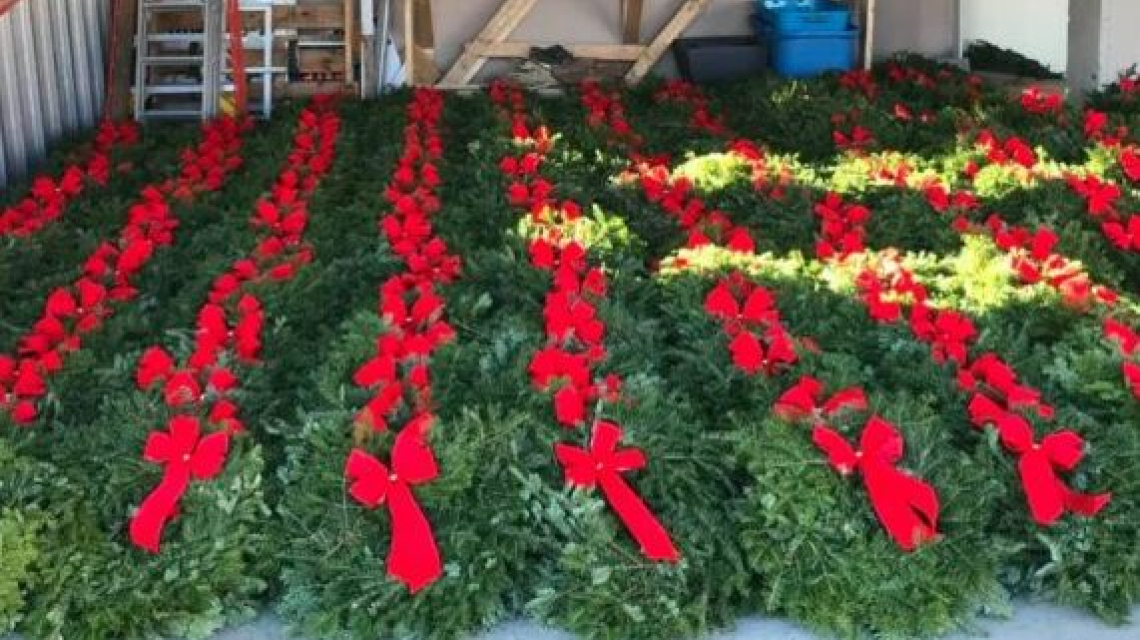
414	557
906	506
638	519
1085	504
158	508
1043	489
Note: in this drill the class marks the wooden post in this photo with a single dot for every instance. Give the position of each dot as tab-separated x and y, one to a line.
498	29
122	38
409	42
653	52
424	40
631	21
349	41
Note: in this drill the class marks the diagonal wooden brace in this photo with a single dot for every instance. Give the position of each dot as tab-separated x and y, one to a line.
493	42
509	16
684	17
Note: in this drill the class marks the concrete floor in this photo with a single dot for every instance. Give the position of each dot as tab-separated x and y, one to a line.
1032	622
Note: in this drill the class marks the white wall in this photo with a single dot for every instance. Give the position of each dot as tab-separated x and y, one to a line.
916	26
1036	28
1119	40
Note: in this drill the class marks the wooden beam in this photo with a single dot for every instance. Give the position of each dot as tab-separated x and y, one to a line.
427	72
122	39
409	41
510	14
631	21
518	49
349	41
653	52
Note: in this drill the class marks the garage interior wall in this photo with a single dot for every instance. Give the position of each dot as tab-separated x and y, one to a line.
1038	29
925	26
51	77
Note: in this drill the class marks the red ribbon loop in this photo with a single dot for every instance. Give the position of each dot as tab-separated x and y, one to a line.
805	402
413	557
906	506
602	465
186	457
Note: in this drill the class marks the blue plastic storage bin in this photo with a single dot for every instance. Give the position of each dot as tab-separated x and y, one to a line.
799	16
808	53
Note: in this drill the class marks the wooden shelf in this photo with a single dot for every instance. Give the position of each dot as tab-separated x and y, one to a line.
307	89
323	46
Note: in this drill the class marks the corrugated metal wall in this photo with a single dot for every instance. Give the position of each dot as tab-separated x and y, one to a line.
51	77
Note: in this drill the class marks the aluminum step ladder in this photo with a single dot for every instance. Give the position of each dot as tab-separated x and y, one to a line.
178	70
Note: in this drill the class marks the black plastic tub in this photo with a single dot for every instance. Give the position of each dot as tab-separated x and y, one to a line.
720	58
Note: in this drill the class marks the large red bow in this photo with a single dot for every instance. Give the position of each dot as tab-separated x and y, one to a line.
603	464
413	557
906	506
186	457
1049	497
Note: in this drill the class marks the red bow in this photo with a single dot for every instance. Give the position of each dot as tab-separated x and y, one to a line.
743	308
186	457
1100	196
1124	234
1001	379
1132	377
1049	497
803	401
1130	163
948	332
842	230
1125	335
758	306
603	464
1037	102
906	506
413	558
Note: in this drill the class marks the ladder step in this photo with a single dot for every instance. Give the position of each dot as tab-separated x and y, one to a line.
174	60
176	37
172	89
173	113
259	70
171	5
